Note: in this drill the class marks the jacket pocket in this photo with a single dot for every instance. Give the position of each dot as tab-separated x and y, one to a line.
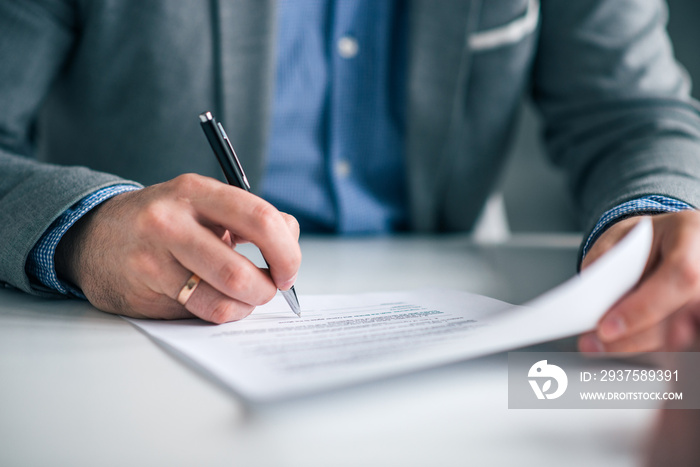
509	33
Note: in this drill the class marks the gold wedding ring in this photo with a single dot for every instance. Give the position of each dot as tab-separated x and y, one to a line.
188	289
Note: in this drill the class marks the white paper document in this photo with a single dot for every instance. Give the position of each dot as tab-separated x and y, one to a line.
347	339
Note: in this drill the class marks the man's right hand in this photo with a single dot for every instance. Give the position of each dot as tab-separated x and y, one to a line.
134	253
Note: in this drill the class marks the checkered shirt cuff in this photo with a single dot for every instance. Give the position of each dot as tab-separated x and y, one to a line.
40	263
653	204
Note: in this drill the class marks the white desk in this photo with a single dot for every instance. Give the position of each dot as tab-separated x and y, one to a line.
83	388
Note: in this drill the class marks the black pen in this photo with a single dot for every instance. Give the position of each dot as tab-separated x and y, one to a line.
233	171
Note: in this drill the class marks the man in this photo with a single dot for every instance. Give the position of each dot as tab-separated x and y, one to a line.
383	116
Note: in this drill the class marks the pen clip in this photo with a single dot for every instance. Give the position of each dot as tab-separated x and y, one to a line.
233	152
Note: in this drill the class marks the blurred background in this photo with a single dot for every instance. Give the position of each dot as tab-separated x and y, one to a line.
533	191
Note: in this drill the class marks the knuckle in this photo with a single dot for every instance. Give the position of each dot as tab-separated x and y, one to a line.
155	218
221	312
687	272
266	217
187	182
293	225
242	284
225	311
237	279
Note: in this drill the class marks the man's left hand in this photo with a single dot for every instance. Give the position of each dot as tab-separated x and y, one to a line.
662	312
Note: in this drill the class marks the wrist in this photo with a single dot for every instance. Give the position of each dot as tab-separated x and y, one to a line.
41	263
67	256
77	243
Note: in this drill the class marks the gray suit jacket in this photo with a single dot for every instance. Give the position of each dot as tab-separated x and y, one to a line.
115	86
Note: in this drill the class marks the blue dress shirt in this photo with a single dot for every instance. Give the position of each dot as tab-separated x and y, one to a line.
335	155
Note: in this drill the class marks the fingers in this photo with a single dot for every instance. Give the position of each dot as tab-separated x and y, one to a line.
660	312
589	343
646	341
682	331
672	284
251	218
211	305
200	231
648	305
292	223
204	302
231	284
676	334
200	250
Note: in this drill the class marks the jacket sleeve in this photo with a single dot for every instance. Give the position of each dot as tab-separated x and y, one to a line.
616	107
36	38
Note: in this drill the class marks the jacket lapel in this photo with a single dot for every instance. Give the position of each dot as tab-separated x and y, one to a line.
244	78
437	67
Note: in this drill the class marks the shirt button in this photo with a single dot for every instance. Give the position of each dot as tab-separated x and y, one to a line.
348	47
342	169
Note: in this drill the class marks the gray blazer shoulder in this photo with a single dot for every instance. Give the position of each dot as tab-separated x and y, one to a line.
617	113
617	108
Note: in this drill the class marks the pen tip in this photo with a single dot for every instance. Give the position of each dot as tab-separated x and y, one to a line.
294	305
291	297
